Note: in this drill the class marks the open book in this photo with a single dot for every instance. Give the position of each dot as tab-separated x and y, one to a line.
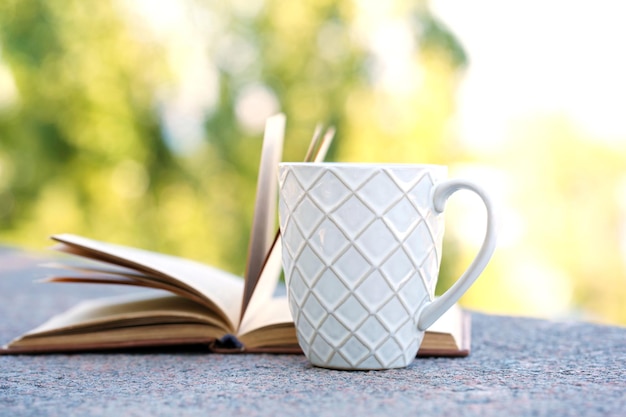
193	304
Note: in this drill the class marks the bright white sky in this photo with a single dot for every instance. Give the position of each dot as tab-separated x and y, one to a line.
530	57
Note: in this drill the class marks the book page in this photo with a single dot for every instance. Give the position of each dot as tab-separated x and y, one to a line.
450	335
274	311
254	315
127	311
151	319
262	234
217	287
154	336
117	276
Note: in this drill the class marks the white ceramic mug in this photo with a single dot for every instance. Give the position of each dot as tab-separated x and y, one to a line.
361	247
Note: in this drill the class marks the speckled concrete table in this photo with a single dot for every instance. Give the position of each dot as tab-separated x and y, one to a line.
518	366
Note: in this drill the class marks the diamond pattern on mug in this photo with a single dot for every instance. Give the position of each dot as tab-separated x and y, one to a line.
403	178
291	186
287	264
297	288
371	333
428	268
433	220
374	291
405	335
385	190
313	311
351	313
354	351
332	329
309	211
309	265
407	297
352	267
401	218
338	362
377	242
329	191
371	362
354	178
421	189
321	348
283	209
326	240
389	352
419	242
352	217
413	347
393	315
333	289
293	240
397	268
305	330
308	175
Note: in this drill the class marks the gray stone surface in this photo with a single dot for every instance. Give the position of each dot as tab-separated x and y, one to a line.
518	366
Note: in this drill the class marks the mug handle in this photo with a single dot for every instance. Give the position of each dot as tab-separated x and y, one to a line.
441	192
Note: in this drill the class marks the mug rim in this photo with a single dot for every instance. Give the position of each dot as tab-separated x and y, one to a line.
364	165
